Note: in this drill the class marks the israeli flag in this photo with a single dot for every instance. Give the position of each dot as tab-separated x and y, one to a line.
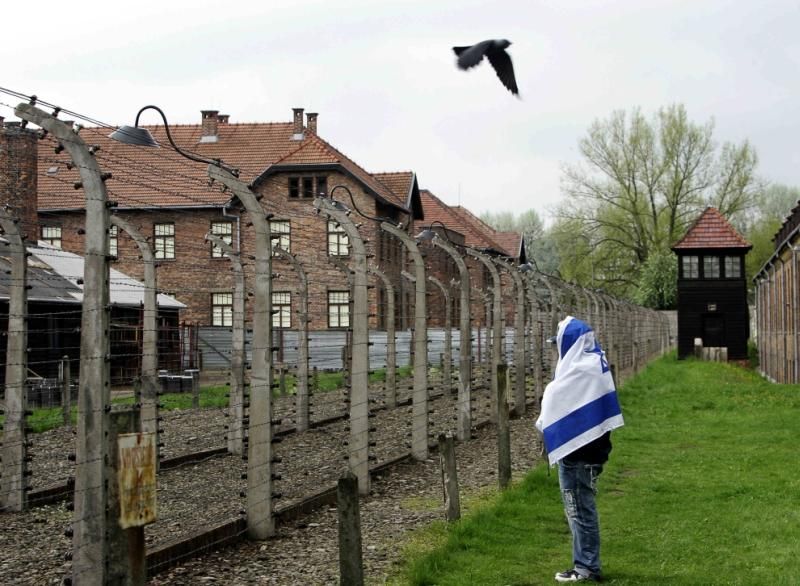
580	404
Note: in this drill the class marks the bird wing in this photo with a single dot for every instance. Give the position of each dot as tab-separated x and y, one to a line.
501	61
471	56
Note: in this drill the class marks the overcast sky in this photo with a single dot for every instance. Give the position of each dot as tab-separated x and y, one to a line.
381	74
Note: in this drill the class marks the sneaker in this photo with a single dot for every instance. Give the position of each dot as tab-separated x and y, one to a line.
574	575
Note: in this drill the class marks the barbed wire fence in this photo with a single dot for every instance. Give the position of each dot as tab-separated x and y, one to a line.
341	343
777	297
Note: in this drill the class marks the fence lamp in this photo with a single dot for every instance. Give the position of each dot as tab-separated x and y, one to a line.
139	136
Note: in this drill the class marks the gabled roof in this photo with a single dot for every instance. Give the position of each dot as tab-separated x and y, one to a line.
147	177
482	233
476	232
144	177
404	185
313	151
437	211
513	242
711	230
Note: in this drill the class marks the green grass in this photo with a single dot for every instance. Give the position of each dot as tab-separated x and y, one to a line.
702	488
331	381
44	419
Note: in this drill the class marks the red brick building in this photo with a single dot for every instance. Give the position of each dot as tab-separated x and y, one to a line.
170	201
463	228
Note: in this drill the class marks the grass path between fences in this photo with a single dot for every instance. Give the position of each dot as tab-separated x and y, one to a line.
703	487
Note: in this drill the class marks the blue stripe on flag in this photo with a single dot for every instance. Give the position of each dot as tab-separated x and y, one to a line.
581	420
574	330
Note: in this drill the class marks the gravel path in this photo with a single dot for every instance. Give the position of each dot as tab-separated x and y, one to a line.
34	546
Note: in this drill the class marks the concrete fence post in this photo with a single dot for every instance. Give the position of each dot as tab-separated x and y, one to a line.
447	463
358	445
127	560
65	378
260	521
419	426
90	546
447	357
536	338
391	341
520	358
351	568
503	430
497	323
301	385
14	467
238	351
464	404
149	368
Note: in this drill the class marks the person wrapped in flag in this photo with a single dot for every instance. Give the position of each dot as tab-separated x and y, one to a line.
579	410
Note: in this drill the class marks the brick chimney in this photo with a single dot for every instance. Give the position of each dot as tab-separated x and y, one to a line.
297	127
311	124
210	126
19	150
223	118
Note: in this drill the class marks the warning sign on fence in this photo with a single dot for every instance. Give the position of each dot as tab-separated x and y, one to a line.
136	477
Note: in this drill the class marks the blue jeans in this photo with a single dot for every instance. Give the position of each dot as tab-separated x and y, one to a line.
578	481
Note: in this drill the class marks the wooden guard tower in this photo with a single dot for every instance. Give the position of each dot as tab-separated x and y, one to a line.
712	290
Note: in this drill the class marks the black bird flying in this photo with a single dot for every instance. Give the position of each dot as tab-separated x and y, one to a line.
495	51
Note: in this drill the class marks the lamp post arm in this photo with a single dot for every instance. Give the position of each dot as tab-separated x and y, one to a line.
179	150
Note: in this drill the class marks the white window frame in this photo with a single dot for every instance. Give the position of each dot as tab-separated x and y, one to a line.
164	240
222	309
339	309
52	235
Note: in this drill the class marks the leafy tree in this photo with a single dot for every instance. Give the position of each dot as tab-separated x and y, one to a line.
773	205
642	181
530	225
658	281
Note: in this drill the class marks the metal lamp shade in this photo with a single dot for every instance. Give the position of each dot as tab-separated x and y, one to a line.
134	135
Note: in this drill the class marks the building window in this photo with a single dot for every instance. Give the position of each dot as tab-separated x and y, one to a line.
304	187
222	309
281	232
690	266
113	241
282	309
52	235
338	309
338	242
733	267
308	187
322	186
164	241
711	267
294	187
223	231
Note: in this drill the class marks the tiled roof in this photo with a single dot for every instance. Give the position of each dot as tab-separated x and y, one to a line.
316	151
400	183
144	176
711	230
149	177
788	226
476	232
484	235
510	241
437	211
